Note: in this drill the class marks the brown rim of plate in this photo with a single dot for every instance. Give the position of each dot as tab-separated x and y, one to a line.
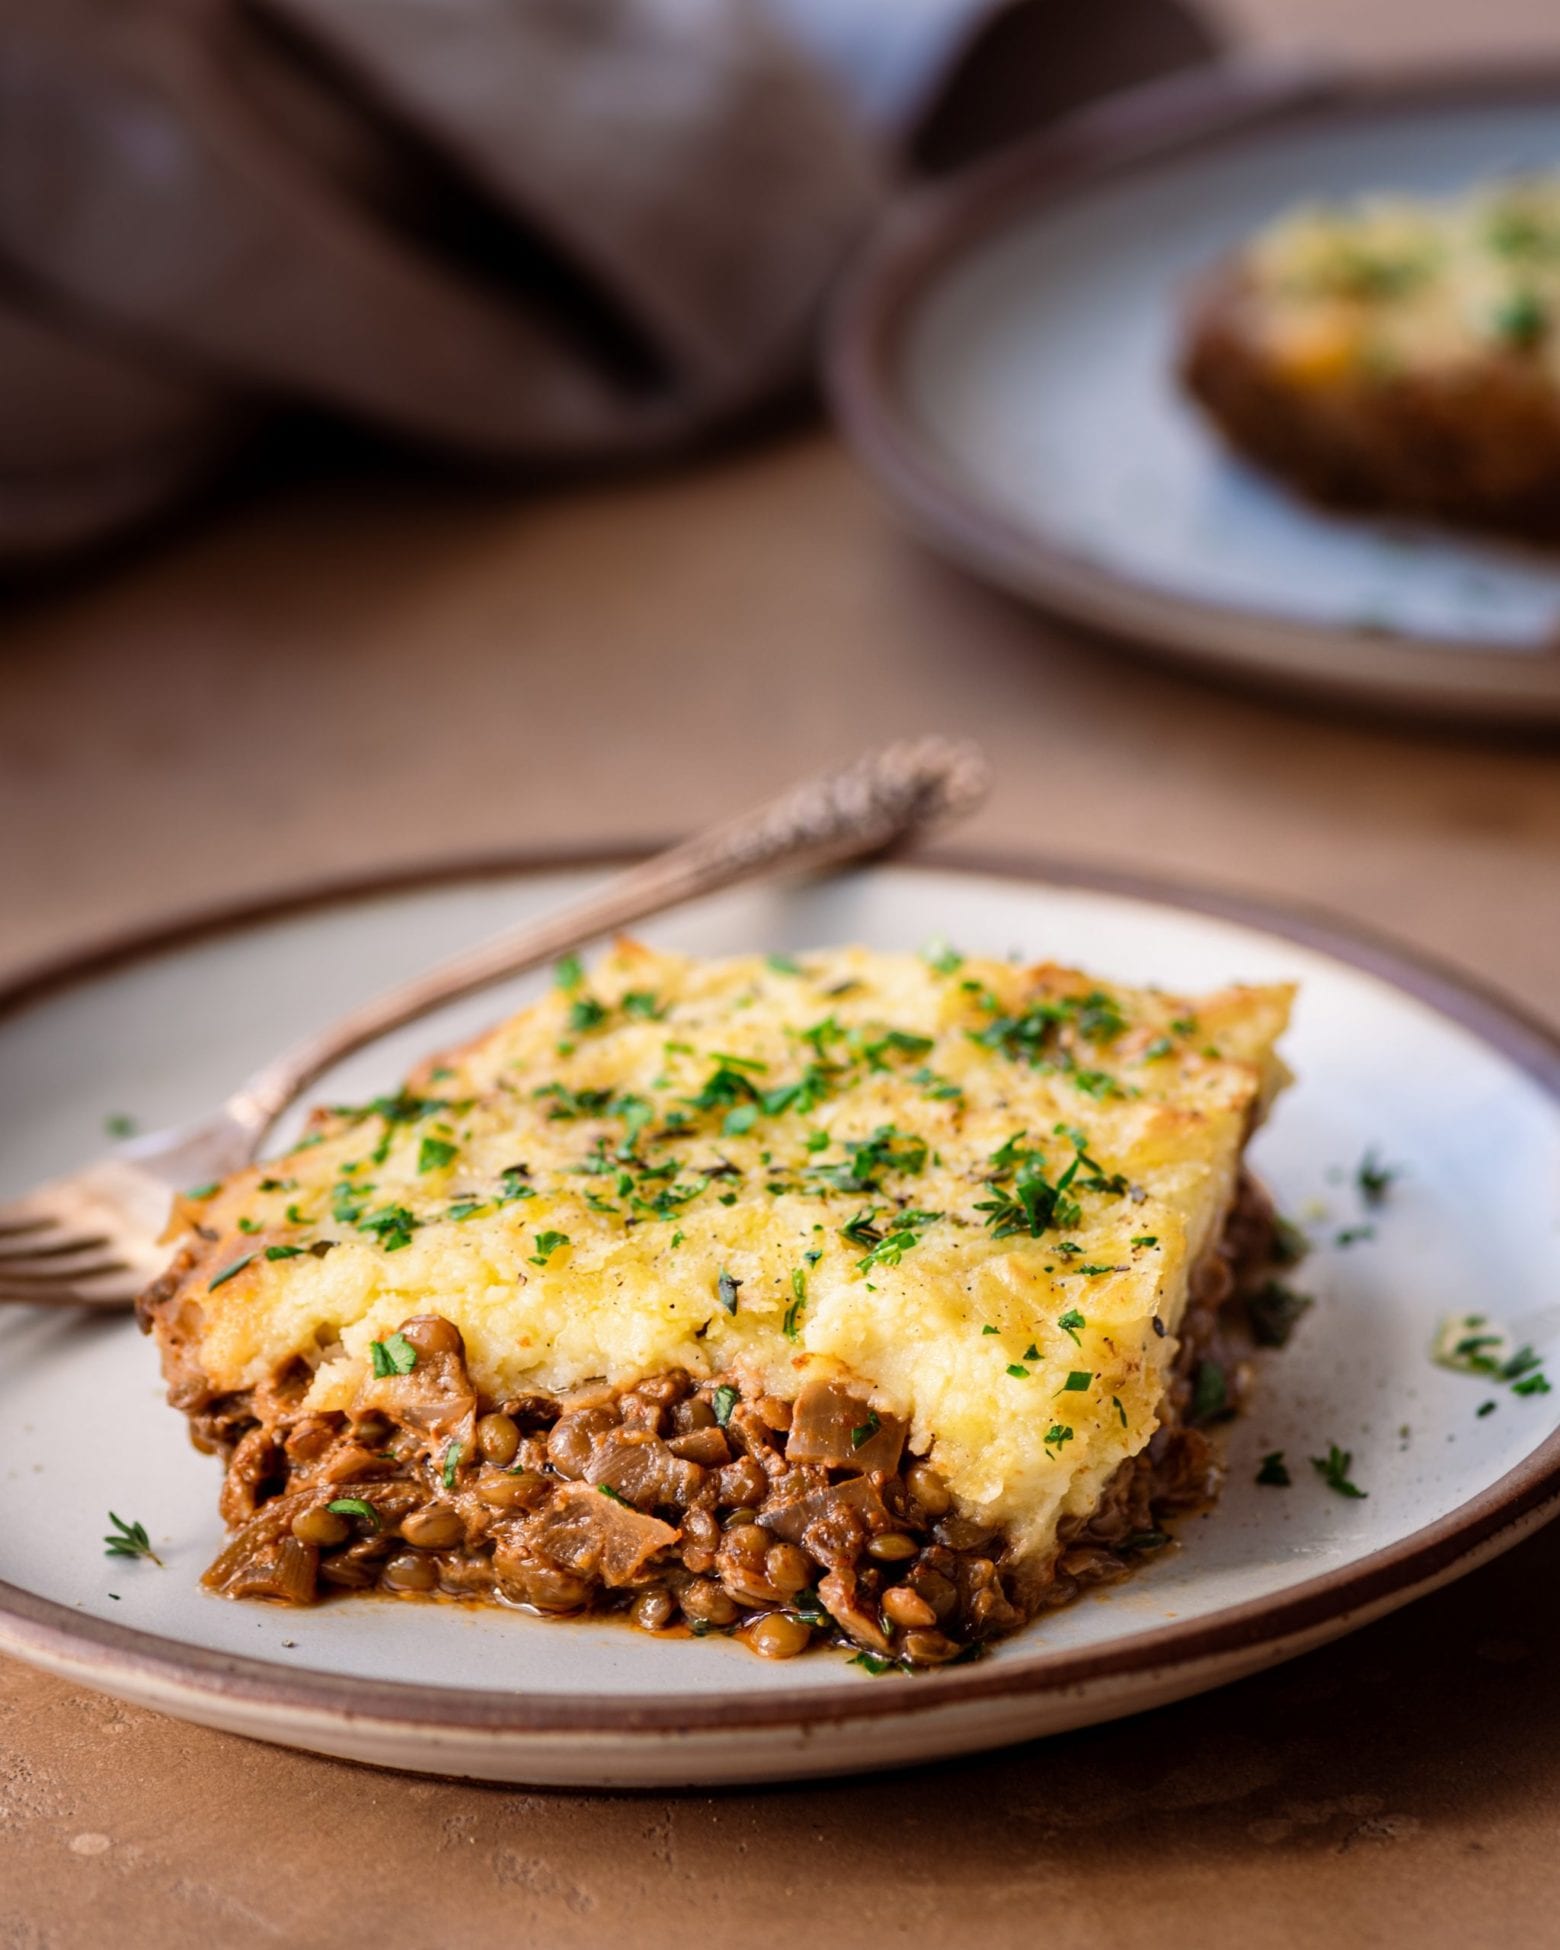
95	1648
1221	105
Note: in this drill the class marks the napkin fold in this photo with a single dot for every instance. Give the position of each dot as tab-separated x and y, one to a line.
532	233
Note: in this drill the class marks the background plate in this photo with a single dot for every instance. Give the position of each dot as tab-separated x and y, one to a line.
1005	364
1455	1090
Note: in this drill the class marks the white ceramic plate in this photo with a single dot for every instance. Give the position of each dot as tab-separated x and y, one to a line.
1006	365
1441	1082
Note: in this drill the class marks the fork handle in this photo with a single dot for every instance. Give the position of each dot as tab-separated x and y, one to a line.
823	822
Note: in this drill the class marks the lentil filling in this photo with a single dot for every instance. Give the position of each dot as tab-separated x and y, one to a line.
686	1504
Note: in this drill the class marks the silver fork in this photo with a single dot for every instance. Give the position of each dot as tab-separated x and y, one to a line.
92	1238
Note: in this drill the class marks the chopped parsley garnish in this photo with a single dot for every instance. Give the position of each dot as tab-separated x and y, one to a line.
396	1355
434	1153
1521	319
988	1329
808	1607
1146	1239
392	1224
1274	1472
1070	1322
893	1246
942	958
1471	1344
355	1506
128	1540
452	1456
547	1243
783	964
868	1159
938	1090
1018	1371
726	1289
1375	1178
1057	1434
864	1431
1115	1402
643	1004
569	973
118	1124
616	1496
284	1252
230	1271
1275	1310
793	1312
870	1662
1210	1392
204	1191
586	1013
1076	1382
248	1225
512	1184
1333	1468
723	1402
895	1042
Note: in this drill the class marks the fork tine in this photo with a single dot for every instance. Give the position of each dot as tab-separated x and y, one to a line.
15	1220
104	1300
12	1250
29	1279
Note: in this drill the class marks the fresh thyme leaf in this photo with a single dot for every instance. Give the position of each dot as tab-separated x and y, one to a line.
395	1355
1333	1468
1274	1472
128	1540
723	1402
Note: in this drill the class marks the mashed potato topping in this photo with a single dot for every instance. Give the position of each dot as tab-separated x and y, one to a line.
974	1188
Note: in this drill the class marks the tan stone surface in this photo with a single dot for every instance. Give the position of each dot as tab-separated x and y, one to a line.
369	673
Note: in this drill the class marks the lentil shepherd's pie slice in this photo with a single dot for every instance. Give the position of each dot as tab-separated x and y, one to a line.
1397	353
866	1298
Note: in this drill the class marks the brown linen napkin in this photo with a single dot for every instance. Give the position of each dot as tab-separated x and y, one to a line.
526	232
